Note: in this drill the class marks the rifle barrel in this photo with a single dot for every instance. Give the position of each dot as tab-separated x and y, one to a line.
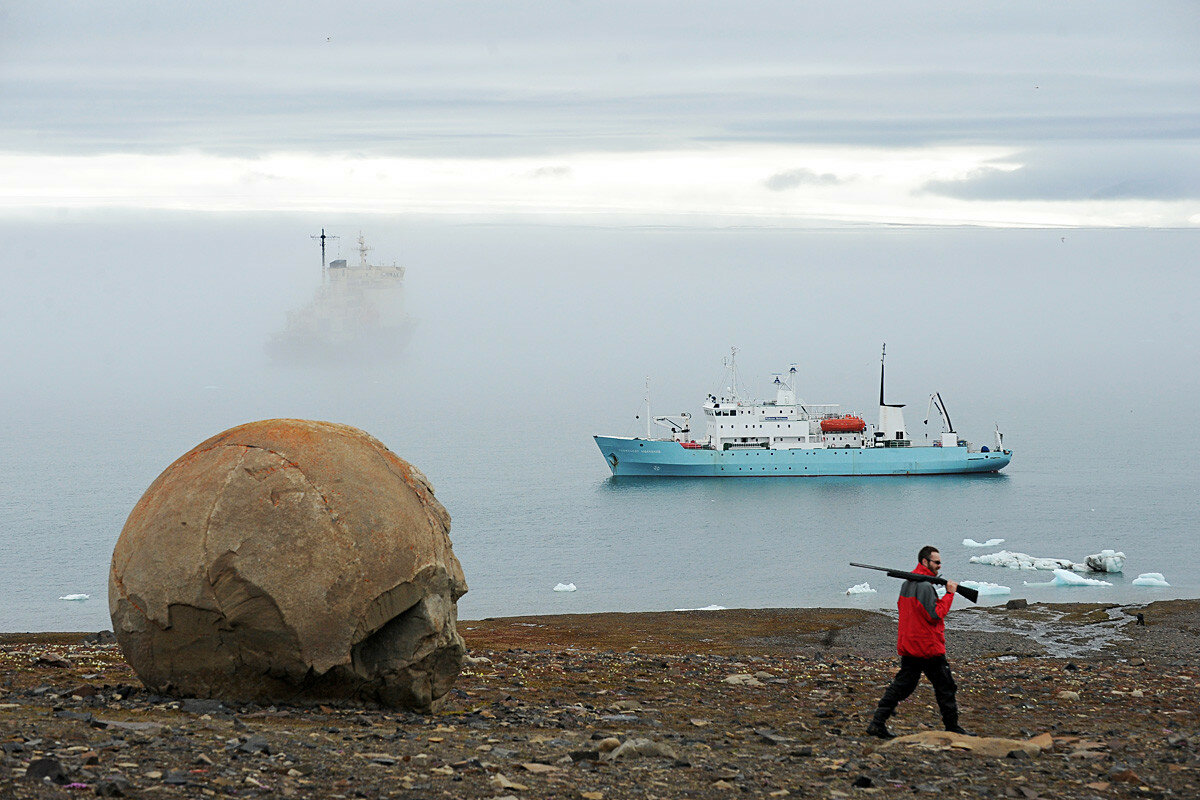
965	591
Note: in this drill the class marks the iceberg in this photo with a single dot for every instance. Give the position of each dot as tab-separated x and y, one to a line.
1106	561
1012	560
861	588
983	587
988	543
1065	577
1150	579
74	597
706	608
565	587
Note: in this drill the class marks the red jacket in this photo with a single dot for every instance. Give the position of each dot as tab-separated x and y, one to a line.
922	630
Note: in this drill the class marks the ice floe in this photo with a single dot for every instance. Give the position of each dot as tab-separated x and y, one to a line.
1150	579
861	588
706	608
74	597
1065	577
983	587
988	543
1006	558
1104	561
565	587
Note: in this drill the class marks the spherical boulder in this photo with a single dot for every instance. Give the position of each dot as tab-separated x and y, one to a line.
290	560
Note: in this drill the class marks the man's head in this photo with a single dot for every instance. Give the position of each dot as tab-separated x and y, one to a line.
930	558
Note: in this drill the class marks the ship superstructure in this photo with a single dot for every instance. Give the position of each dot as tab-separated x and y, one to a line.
787	436
358	313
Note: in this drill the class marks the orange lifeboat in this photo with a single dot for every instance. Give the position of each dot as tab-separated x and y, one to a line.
850	424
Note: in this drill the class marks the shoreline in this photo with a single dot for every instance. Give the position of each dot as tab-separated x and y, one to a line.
698	704
1081	629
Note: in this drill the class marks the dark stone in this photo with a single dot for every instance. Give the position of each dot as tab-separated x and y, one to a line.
585	755
101	637
74	715
42	768
175	779
863	782
255	744
195	705
1018	602
112	787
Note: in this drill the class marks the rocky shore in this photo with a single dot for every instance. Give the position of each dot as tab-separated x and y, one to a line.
1065	701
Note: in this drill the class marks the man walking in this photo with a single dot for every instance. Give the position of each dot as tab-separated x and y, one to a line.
921	642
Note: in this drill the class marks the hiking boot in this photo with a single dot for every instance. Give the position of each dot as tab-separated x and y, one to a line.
877	728
956	728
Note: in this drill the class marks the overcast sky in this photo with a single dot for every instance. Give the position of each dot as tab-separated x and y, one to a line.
1006	113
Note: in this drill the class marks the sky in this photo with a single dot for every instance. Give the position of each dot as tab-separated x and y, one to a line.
1005	114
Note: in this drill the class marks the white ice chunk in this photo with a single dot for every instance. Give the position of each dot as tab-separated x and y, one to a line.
1012	560
74	597
1065	577
861	588
706	608
983	587
1106	561
1150	579
988	543
565	587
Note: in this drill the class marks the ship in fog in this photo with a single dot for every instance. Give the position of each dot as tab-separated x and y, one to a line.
357	315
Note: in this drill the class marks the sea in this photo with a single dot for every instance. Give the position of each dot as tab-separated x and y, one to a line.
131	337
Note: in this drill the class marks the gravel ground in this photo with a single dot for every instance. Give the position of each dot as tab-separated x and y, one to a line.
762	703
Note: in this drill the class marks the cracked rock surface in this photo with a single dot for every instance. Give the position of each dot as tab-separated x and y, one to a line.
290	560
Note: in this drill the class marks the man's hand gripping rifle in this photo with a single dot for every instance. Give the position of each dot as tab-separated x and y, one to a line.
965	591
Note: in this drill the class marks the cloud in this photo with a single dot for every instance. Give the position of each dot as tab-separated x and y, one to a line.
551	172
792	178
1084	171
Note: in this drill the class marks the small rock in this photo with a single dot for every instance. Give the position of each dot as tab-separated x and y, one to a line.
1124	774
537	768
1018	602
42	768
592	795
112	787
52	660
863	782
501	782
256	744
607	744
633	748
1067	694
742	679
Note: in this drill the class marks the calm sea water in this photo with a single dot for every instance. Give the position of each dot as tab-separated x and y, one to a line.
532	339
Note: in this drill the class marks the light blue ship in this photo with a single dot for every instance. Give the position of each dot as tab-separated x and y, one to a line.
787	437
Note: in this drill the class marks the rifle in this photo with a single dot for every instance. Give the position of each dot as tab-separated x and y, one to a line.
965	591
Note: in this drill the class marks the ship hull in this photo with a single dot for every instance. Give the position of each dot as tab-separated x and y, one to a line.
654	458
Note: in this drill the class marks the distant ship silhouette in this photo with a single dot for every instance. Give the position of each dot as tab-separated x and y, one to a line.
357	315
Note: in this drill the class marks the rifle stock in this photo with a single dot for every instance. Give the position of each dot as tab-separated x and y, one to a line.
965	591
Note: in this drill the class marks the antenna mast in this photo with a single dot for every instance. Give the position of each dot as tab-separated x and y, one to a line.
323	237
648	431
882	356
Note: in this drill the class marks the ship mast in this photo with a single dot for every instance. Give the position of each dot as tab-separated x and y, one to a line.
648	431
323	237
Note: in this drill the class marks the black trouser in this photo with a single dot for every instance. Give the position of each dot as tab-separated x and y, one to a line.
937	669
